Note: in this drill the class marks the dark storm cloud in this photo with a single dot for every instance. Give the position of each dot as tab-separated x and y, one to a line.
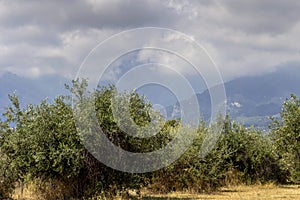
243	37
269	16
66	15
41	34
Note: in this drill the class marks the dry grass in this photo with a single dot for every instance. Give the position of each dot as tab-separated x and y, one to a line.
238	192
234	192
28	193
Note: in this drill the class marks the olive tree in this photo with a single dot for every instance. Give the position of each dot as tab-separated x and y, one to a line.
287	137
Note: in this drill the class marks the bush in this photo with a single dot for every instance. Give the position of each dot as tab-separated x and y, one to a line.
40	144
7	177
287	138
45	145
8	174
240	156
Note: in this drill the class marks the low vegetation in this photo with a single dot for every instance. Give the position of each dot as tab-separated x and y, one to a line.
246	192
40	148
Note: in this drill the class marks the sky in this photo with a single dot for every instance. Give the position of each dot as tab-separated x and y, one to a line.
252	37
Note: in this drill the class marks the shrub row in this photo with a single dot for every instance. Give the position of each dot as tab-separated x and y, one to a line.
40	144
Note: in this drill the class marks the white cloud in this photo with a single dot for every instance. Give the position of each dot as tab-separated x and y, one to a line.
243	38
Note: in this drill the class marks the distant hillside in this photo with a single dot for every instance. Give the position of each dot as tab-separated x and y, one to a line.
252	100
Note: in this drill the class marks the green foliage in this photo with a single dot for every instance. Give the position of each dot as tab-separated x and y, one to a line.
8	174
287	137
44	143
249	152
240	156
41	144
98	177
141	114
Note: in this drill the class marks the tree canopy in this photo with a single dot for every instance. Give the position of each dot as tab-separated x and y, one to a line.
40	144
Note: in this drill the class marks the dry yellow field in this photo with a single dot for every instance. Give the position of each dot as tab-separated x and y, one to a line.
240	192
285	192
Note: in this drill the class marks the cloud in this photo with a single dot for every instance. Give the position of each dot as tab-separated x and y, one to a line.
247	38
64	15
268	16
58	34
53	37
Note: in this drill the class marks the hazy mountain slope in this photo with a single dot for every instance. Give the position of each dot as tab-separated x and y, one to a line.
251	100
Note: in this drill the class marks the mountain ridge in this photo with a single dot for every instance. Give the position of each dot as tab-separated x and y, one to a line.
251	100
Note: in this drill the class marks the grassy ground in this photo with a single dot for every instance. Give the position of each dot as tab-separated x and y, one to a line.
235	192
238	192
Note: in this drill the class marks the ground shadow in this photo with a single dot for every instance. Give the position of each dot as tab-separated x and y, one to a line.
165	198
225	191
